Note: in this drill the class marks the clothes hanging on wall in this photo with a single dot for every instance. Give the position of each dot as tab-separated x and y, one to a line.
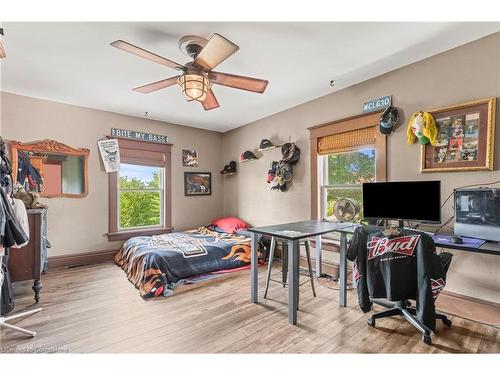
6	292
13	222
21	215
14	232
5	168
11	231
28	175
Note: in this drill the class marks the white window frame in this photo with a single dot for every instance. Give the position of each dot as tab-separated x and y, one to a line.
161	190
325	187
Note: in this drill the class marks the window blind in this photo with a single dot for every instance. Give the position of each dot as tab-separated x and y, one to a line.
347	141
142	153
142	157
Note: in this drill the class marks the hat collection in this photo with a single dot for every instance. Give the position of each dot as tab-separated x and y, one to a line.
280	173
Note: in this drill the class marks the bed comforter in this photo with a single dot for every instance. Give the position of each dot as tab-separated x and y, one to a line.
157	264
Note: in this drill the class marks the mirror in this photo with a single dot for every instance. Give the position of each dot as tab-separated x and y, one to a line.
50	168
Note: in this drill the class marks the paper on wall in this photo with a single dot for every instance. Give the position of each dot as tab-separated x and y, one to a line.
110	154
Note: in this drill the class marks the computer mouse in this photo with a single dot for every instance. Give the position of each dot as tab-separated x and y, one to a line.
456	239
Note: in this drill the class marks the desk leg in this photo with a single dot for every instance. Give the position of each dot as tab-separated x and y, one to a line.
284	263
343	270
254	270
318	256
293	280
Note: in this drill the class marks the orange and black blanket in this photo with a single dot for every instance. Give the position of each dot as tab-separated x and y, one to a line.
157	264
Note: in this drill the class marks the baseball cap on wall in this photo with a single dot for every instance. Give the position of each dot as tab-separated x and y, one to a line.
265	144
229	168
247	155
388	120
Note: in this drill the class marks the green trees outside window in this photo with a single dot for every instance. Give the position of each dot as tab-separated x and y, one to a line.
345	173
140	196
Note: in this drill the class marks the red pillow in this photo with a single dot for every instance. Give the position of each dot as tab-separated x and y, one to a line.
230	224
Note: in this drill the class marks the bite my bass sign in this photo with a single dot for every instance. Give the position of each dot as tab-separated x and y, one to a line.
138	136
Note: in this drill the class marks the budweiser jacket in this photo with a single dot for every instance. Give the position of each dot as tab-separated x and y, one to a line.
397	268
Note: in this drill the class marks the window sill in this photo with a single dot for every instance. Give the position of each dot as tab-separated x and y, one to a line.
327	244
127	234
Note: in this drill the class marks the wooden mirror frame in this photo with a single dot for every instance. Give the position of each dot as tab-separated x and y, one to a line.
54	147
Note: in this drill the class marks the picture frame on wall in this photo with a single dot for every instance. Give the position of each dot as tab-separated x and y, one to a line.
189	158
465	140
197	183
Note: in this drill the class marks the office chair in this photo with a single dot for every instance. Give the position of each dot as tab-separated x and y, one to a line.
405	309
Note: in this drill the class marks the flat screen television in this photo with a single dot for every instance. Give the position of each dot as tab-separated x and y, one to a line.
409	200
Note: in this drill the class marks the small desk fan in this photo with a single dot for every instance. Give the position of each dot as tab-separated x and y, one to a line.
346	209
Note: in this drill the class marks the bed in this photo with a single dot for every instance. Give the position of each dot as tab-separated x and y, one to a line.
156	265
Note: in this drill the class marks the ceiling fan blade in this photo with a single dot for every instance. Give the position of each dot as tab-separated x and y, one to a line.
125	46
216	51
238	82
210	101
146	89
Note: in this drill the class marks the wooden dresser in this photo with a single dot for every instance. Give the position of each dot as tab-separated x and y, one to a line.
28	262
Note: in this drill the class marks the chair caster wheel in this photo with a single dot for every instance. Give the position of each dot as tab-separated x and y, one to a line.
371	322
447	322
427	339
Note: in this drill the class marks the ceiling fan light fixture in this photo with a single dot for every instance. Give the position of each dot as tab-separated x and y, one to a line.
197	75
194	86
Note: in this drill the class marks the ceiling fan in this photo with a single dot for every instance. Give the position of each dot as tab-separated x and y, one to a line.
197	77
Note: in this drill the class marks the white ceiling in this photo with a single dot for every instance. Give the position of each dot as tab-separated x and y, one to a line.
74	63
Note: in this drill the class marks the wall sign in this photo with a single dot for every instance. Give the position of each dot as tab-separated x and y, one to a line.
139	136
110	154
377	104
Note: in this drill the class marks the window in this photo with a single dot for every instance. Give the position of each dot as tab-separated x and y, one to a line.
140	192
140	196
343	174
344	154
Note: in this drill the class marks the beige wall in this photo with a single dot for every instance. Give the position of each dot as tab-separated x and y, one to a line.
459	75
81	224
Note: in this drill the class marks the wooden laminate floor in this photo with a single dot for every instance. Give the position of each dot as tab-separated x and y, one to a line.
96	309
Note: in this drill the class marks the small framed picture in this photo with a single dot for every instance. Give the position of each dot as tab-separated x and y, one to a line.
465	140
189	158
197	183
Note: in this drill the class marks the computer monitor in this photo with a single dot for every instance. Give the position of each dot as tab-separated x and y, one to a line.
410	200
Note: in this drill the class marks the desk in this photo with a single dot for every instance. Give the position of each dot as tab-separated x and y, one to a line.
293	233
488	247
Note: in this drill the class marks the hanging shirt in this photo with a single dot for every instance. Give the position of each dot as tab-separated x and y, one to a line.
397	268
21	216
13	234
